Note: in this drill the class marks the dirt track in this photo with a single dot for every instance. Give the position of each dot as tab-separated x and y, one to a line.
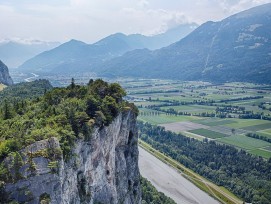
170	182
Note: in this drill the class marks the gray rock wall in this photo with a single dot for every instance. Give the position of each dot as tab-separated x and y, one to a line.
101	170
4	74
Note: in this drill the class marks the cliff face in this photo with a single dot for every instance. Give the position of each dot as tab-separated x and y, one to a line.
4	74
103	169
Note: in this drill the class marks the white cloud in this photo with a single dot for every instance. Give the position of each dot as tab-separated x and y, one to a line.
143	3
234	6
90	20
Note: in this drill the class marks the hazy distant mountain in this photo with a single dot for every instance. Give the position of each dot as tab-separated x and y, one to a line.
4	75
15	53
75	56
237	48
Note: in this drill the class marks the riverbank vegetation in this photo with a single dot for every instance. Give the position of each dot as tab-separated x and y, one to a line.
247	176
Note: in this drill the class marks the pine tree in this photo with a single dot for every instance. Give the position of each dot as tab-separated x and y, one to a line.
7	111
17	164
72	84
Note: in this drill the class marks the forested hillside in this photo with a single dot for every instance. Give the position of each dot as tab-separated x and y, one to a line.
76	56
26	90
234	49
40	112
64	113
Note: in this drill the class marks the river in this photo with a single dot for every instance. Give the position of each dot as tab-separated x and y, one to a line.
32	78
170	182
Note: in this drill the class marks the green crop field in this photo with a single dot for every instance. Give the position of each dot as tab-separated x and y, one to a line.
258	127
242	123
147	111
163	118
266	131
208	133
262	153
261	133
191	108
192	135
147	103
244	142
268	148
196	98
215	121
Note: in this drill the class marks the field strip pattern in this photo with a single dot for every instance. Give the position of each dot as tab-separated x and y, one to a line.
182	126
227	130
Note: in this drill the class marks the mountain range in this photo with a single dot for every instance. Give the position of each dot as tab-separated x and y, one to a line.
77	56
14	53
237	48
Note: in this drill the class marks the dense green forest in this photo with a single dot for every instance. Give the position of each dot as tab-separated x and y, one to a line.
151	196
65	113
38	111
245	175
26	90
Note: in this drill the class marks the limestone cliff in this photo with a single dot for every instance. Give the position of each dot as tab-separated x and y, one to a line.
4	74
103	169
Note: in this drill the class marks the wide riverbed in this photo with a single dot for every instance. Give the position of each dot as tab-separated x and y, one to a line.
170	182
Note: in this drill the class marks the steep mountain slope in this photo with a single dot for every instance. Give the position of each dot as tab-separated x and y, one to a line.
14	53
77	144
4	74
237	48
75	56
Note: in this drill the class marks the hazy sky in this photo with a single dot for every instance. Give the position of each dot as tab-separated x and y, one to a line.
90	20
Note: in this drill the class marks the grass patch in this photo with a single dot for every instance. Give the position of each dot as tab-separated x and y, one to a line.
266	132
258	127
262	133
191	108
208	133
147	103
268	148
192	135
163	119
215	122
262	153
244	142
242	123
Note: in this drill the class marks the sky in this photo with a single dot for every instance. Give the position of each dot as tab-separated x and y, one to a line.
91	20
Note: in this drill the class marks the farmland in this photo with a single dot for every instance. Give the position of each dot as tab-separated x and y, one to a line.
208	133
224	113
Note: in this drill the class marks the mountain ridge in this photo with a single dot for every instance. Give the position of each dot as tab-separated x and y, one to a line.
14	53
237	48
91	55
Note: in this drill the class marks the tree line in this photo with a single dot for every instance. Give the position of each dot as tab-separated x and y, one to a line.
247	176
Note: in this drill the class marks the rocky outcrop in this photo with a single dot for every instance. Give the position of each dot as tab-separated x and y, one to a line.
103	169
4	74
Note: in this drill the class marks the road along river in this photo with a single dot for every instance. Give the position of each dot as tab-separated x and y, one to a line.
170	182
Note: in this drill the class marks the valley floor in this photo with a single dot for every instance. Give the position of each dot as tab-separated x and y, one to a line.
170	182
